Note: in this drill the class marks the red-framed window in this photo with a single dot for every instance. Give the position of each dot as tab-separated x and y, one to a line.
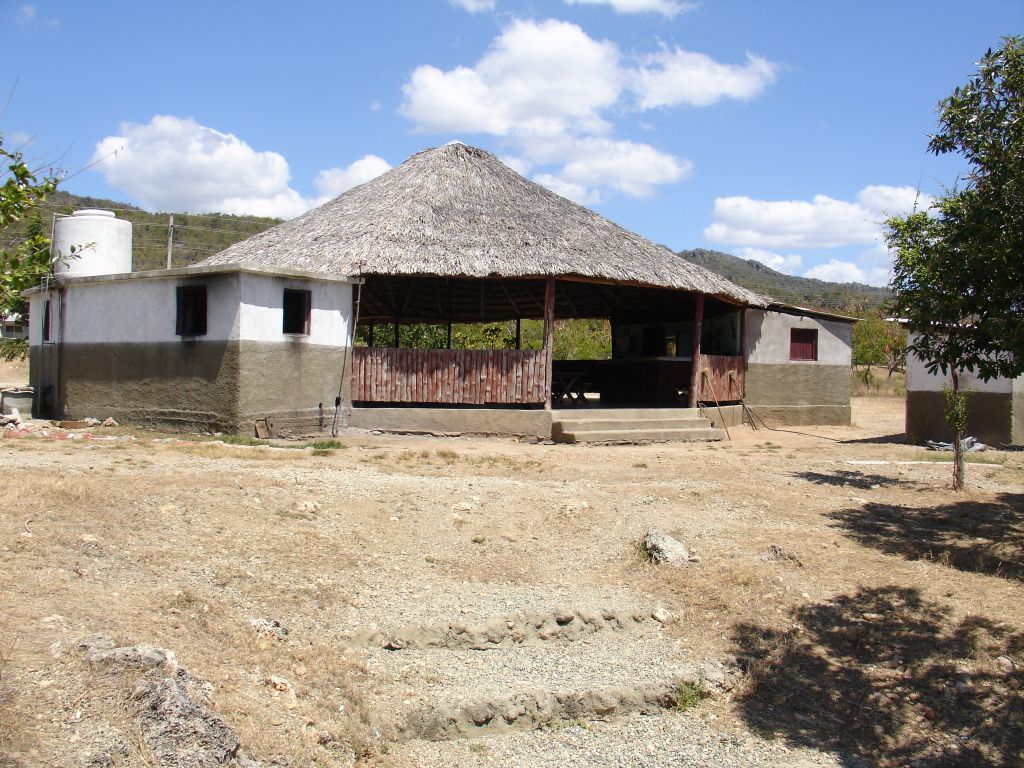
803	343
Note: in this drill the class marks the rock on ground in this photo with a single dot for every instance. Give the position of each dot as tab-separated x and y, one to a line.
175	718
664	550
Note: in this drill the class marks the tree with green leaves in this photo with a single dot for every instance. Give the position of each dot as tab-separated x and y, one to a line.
26	260
958	276
877	342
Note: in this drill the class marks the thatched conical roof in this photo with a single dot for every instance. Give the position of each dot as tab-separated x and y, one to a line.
458	211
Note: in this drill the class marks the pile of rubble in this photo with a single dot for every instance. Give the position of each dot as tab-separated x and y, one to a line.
16	425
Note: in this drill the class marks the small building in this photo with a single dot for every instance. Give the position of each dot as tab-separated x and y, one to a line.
450	236
200	348
995	408
12	327
798	365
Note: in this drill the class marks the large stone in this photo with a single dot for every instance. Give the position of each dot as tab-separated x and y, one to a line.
179	727
664	550
99	649
175	719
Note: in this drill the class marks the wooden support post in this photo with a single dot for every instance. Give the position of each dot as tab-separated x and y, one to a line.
549	338
370	339
448	286
698	327
743	333
396	334
743	350
519	333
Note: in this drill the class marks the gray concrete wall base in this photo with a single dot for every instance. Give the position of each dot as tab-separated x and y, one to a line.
448	421
291	379
797	383
188	385
307	422
731	415
194	385
989	417
802	415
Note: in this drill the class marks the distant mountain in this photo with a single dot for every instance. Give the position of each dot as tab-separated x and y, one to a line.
803	291
197	236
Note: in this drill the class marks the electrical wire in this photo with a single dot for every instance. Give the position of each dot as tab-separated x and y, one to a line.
748	410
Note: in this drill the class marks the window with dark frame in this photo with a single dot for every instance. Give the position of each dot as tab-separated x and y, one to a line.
191	316
803	343
297	305
46	320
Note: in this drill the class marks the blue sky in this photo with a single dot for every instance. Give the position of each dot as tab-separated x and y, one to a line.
782	131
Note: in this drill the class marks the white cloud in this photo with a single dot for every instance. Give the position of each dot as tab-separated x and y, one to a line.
538	78
546	88
627	166
758	226
333	181
26	14
578	193
376	106
835	271
893	201
788	263
474	6
822	222
176	164
520	165
667	8
676	76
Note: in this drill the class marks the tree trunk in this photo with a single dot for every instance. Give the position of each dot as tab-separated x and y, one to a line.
958	438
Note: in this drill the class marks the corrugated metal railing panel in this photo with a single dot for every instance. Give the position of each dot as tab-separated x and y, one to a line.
457	376
724	379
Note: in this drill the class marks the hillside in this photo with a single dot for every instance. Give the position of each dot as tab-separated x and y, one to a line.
803	291
197	236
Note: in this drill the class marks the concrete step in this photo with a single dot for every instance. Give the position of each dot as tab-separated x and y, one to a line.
562	414
640	435
600	423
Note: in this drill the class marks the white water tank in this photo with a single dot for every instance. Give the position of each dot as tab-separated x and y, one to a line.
102	243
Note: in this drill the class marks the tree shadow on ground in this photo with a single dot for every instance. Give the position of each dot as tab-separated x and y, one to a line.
977	536
848	477
883	677
897	438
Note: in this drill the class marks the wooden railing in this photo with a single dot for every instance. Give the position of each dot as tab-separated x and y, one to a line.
463	376
724	379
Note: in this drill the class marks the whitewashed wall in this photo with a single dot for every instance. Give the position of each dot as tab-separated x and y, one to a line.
144	310
35	320
240	306
919	380
262	306
767	337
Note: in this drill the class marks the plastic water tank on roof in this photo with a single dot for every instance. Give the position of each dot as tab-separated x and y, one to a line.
102	243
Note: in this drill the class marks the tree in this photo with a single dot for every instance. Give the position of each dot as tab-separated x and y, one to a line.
958	276
27	259
877	342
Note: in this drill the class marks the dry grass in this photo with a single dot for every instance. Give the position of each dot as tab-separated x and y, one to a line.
182	546
878	383
428	461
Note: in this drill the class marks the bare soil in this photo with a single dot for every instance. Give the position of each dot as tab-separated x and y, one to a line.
885	626
13	373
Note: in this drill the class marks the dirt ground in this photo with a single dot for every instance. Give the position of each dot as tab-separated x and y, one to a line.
885	627
13	373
